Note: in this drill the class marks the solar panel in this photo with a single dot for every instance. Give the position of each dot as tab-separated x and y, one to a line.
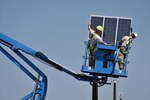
96	21
114	27
124	27
109	30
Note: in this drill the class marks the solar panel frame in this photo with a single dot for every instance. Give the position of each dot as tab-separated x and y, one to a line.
114	27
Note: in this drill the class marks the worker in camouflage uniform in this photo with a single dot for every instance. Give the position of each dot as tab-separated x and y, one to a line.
125	45
94	37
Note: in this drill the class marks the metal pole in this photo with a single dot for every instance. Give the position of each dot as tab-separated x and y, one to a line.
114	91
95	91
114	81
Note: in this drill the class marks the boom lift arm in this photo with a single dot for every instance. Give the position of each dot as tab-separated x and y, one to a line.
16	46
41	86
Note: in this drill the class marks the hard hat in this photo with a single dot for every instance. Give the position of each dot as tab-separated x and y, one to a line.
135	34
99	27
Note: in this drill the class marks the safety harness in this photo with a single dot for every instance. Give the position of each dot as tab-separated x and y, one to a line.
124	51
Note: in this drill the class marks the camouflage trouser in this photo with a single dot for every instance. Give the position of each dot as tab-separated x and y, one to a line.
122	57
92	53
121	61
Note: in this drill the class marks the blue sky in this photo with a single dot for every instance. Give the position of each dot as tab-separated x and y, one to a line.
58	29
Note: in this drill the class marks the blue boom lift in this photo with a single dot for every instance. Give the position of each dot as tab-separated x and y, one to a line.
105	60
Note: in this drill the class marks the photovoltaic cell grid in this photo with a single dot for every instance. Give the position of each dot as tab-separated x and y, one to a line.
114	27
109	30
96	21
124	27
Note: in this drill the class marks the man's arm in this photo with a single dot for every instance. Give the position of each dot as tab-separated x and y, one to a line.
89	26
99	39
